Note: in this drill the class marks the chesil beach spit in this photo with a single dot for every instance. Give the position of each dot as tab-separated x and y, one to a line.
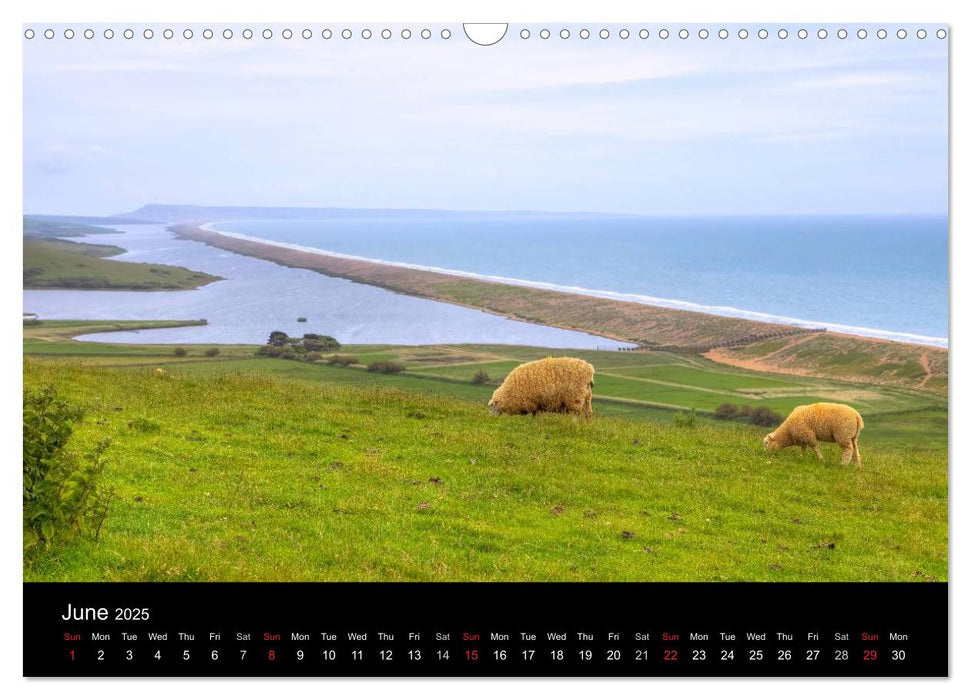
875	277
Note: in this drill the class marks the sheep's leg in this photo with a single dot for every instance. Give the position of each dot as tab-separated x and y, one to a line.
847	452
819	452
856	451
588	406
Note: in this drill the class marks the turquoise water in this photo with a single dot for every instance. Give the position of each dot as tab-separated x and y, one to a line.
878	276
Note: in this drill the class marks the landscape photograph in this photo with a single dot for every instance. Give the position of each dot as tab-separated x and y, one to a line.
367	308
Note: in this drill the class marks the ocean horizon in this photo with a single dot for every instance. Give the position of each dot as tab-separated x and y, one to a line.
879	277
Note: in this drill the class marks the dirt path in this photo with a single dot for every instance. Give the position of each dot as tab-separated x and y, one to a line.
928	373
759	364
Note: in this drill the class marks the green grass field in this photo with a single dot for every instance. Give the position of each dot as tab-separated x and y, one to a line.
51	263
245	468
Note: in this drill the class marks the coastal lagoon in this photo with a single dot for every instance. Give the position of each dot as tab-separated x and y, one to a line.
258	296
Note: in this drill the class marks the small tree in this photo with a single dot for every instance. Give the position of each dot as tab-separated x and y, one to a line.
278	339
212	352
181	352
481	377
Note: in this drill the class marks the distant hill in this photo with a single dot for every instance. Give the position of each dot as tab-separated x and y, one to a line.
56	228
173	213
87	220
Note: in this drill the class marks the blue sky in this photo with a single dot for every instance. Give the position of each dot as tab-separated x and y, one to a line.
707	127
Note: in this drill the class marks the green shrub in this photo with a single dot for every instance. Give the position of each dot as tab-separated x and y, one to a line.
285	352
386	367
726	411
212	352
314	357
686	420
342	360
481	377
181	352
62	497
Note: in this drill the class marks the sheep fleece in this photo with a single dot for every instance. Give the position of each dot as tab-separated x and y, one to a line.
826	422
559	385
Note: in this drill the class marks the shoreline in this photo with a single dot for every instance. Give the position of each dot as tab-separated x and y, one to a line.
817	353
636	298
665	328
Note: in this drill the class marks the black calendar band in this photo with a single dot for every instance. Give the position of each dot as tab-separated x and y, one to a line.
486	629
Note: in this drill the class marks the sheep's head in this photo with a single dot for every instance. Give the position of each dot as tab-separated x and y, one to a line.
769	442
494	408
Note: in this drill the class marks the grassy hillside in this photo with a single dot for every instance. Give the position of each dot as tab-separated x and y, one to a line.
238	468
643	385
833	355
53	263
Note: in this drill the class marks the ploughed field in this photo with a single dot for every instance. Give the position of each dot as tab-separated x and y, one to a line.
241	468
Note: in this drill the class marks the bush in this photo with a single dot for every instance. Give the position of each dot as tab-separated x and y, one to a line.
61	495
342	360
212	352
481	377
285	352
386	367
314	357
765	417
278	339
686	420
726	411
319	343
181	352
280	344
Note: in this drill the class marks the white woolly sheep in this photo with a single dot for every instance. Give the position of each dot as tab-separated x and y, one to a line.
556	384
826	422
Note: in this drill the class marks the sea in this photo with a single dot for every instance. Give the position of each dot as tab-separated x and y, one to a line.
883	277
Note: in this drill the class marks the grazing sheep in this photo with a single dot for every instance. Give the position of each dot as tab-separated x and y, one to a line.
556	384
828	422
